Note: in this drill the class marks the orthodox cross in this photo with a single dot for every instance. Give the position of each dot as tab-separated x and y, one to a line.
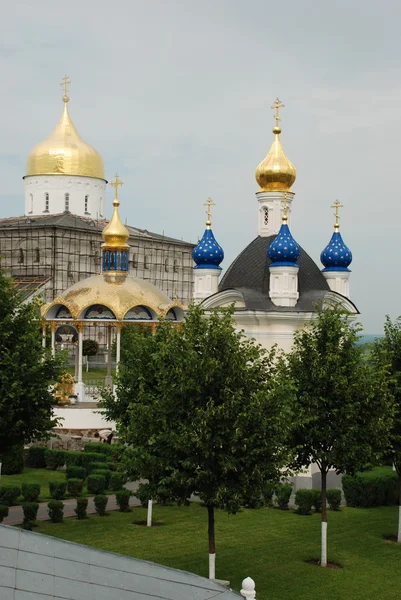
116	183
65	83
209	203
337	205
276	106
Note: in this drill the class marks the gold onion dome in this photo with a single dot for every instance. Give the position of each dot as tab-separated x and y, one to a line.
276	172
115	234
64	152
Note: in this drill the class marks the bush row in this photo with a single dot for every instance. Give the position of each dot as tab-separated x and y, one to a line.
305	500
366	490
56	507
40	457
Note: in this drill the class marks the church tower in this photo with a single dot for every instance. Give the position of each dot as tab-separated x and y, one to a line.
64	173
336	258
275	175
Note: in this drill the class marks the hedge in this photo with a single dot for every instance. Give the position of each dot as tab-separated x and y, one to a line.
12	462
369	489
317	499
74	472
55	459
117	481
100	504
334	498
304	501
283	495
96	484
9	494
57	489
35	457
30	510
56	511
82	459
122	499
94	466
82	505
98	447
75	487
106	474
3	512
30	491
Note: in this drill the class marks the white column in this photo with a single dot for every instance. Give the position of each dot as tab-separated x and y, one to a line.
338	281
149	518
53	328
284	285
271	211
118	347
44	337
79	387
206	283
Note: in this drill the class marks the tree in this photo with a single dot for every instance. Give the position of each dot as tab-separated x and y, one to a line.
387	350
26	371
89	348
342	402
204	412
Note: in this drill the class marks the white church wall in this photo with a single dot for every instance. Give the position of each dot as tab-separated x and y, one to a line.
82	418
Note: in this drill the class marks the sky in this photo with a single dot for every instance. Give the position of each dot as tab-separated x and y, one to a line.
176	96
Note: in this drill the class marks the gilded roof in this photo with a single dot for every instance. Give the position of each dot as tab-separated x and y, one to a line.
275	172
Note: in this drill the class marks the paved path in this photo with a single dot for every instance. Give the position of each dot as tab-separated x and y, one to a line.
16	515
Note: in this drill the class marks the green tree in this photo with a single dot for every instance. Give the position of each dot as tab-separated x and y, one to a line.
26	371
204	412
343	404
89	348
387	350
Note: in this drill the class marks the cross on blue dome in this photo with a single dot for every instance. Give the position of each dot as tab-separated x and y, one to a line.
284	251
336	256
208	254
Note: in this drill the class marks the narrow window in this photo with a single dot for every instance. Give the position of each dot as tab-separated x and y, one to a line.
166	268
47	202
146	262
175	267
86	204
134	261
265	216
30	203
21	256
37	255
67	201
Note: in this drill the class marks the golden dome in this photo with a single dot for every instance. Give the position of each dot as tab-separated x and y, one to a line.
64	152
276	172
118	295
115	234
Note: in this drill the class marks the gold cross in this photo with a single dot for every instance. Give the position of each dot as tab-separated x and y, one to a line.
337	205
65	82
209	202
116	183
285	208
276	106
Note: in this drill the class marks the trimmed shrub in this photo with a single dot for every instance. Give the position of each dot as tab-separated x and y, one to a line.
75	487
98	447
80	510
30	491
304	501
3	512
57	489
268	491
283	495
112	466
117	481
12	462
334	498
30	512
370	489
82	459
100	504
95	466
317	500
96	484
74	472
35	457
106	474
117	451
56	511
55	459
144	493
122	499
9	494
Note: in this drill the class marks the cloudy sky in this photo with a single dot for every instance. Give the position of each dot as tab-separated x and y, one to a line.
176	96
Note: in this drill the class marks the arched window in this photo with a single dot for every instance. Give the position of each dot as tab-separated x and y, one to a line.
36	255
265	216
166	265
146	262
63	313
86	204
97	311
171	316
21	256
66	201
175	267
138	313
47	202
134	261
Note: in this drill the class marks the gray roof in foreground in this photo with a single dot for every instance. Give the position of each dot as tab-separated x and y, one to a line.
38	567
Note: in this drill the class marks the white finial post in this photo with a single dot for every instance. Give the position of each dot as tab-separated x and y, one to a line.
248	589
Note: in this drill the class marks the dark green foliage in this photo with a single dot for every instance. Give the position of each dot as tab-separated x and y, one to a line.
100	504
96	484
366	489
56	511
98	447
90	347
3	512
122	499
317	500
83	459
57	489
94	466
304	501
55	459
105	473
117	481
9	494
35	457
334	498
30	491
80	510
12	460
117	452
111	466
268	492
75	487
74	472
283	495
27	371
144	493
30	511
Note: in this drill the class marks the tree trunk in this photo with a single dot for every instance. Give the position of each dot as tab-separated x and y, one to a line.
323	556
212	545
149	516
399	511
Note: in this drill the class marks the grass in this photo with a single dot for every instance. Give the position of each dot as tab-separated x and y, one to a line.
41	476
92	373
268	545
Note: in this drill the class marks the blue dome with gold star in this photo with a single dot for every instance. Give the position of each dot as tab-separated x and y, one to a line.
284	251
208	254
336	256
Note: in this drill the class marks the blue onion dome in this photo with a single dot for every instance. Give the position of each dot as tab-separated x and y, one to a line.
208	254
336	256
284	251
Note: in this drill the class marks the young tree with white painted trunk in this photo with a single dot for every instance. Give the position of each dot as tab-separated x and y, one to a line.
388	350
343	406
203	411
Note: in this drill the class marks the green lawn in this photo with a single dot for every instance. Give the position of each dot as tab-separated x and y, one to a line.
42	476
267	544
92	373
